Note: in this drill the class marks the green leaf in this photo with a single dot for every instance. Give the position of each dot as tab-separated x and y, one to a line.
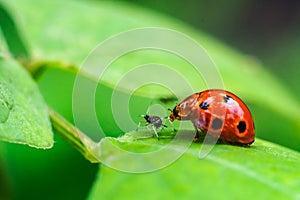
11	34
261	171
5	186
24	114
68	30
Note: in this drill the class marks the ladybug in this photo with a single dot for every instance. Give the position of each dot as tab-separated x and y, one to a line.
155	121
218	112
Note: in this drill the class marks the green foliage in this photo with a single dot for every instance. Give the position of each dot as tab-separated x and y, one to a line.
261	171
72	33
11	33
59	173
61	32
24	114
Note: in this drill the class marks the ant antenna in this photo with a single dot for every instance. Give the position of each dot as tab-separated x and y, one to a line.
147	112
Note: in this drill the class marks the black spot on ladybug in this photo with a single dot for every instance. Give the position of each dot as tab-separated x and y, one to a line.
227	98
217	123
204	105
241	126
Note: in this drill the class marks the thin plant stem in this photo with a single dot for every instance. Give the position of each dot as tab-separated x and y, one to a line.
71	134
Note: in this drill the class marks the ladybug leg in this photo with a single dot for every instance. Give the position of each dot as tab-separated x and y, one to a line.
198	123
197	134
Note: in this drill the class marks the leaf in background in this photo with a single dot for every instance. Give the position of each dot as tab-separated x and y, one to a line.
85	25
68	30
261	171
11	34
24	114
5	186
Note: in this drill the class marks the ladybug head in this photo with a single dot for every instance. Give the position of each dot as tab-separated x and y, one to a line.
174	114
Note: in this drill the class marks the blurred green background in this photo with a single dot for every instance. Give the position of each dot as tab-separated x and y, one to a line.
267	30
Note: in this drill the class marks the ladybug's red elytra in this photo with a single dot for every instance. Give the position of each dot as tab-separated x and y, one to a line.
217	111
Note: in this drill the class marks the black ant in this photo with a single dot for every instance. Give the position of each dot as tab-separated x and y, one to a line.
154	121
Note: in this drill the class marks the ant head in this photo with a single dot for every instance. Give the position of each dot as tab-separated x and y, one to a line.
146	117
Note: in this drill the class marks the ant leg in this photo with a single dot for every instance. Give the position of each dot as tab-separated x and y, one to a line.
163	121
163	126
155	132
139	125
174	129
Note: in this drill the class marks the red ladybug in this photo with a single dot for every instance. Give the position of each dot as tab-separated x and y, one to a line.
217	111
